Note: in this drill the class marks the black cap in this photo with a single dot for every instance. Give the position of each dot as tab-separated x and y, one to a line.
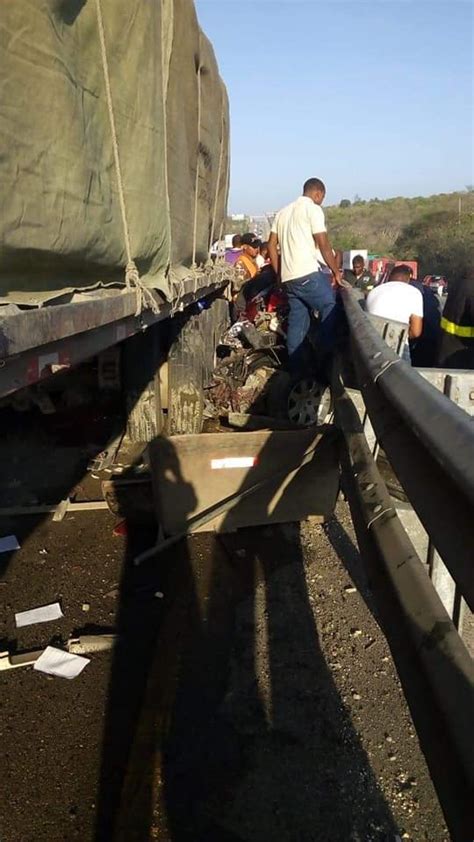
251	240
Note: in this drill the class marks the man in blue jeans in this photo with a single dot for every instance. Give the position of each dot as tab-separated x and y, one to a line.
298	240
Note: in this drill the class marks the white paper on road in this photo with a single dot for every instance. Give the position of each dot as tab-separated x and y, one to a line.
39	615
9	543
63	664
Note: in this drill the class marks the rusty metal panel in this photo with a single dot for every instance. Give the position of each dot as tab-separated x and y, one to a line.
193	473
35	344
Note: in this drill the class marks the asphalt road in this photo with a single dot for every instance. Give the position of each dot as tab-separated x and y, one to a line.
255	698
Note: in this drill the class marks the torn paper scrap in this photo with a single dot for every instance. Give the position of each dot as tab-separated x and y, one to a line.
56	662
38	615
9	543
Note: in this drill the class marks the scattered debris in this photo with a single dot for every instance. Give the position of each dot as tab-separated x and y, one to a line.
88	643
62	664
82	645
120	528
44	614
356	632
86	607
159	594
350	589
44	551
244	421
66	506
58	510
356	696
9	543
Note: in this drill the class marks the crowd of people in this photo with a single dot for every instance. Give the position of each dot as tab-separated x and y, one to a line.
300	259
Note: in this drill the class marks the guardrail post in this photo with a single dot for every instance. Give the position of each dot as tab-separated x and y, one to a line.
459	387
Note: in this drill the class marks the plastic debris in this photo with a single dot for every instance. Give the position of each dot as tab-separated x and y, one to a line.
120	528
9	543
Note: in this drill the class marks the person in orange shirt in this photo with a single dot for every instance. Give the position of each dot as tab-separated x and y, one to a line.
246	264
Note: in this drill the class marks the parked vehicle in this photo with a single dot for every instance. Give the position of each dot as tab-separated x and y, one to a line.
382	266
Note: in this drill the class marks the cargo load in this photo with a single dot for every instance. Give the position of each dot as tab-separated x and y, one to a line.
114	137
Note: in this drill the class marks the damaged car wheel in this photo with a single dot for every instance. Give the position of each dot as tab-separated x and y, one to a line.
309	403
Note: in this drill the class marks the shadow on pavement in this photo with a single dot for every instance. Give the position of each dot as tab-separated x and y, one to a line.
223	720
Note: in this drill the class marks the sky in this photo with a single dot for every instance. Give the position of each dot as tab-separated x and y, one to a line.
375	97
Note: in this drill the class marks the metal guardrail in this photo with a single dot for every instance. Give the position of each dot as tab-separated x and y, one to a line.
429	442
433	647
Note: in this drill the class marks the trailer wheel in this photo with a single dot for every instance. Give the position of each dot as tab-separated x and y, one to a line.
186	378
191	362
142	358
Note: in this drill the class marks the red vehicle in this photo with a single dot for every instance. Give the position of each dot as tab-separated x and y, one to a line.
382	266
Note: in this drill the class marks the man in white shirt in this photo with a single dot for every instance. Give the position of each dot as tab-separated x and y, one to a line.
398	301
298	232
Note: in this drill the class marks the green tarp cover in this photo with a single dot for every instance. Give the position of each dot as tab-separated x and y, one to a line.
61	225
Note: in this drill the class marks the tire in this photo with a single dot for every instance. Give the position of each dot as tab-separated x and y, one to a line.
191	364
309	403
186	365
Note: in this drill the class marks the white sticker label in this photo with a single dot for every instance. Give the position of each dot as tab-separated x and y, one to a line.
233	462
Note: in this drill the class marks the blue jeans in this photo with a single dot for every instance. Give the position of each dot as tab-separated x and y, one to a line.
313	292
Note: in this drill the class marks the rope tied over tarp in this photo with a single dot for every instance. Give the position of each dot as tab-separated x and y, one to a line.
196	183
145	297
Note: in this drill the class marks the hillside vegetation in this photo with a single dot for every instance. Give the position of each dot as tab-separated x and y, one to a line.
438	231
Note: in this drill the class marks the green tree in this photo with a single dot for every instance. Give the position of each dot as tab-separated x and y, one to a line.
442	243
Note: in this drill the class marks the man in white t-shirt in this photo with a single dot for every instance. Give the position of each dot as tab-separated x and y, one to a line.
398	301
298	232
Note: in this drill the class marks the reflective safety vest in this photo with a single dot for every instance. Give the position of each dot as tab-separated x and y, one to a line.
457	324
465	331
